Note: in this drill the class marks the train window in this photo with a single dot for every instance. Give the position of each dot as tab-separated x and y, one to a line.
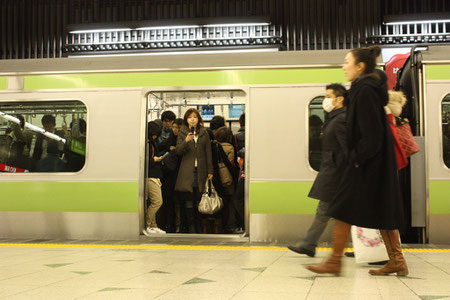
44	136
446	130
316	120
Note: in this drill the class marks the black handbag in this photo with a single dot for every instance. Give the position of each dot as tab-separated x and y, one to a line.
170	162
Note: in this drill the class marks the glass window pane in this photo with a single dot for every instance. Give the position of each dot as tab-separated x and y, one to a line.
316	120
446	129
42	136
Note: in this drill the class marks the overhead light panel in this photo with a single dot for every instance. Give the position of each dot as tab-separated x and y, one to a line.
236	25
99	30
167	27
417	22
411	19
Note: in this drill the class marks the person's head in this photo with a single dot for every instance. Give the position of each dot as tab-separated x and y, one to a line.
223	135
360	61
192	118
217	122
49	123
176	126
334	97
315	126
22	120
159	122
242	120
167	119
153	130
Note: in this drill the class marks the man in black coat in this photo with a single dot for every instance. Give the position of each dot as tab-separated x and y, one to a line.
334	157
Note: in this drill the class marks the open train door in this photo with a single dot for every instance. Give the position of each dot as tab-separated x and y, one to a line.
413	178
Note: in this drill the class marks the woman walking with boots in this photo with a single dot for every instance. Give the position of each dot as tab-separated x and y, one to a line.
193	145
369	191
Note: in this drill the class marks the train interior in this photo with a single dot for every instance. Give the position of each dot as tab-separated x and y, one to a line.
42	136
229	104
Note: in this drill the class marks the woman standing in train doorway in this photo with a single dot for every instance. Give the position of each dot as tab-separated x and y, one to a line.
194	148
369	193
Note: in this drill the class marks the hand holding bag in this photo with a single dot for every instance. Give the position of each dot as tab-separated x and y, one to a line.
211	201
368	245
406	137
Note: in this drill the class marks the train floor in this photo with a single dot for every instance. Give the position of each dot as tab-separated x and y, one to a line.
204	269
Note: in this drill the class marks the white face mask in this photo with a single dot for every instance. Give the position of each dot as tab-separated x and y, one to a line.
327	104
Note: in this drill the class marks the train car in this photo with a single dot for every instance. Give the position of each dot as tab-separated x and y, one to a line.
103	195
433	68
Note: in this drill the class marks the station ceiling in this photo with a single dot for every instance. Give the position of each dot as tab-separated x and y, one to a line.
39	28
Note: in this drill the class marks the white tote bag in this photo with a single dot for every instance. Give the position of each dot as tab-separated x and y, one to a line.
368	244
211	201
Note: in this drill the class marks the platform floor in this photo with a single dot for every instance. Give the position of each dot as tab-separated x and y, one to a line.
188	269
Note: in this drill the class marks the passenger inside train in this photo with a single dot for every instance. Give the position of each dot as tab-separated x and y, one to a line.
181	149
35	137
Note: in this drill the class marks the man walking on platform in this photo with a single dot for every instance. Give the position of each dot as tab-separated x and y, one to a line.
334	156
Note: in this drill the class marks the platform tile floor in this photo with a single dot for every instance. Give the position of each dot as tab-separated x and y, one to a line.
154	269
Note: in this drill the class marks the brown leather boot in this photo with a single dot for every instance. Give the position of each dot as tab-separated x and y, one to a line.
397	263
333	264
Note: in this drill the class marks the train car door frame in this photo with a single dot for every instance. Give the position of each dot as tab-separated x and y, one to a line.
143	161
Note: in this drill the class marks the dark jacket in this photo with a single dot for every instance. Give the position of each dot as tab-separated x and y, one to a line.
51	163
334	156
154	168
240	138
369	193
215	161
164	145
188	152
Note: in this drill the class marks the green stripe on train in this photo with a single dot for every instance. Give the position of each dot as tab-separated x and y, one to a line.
3	83
440	197
199	78
438	72
281	198
292	198
69	196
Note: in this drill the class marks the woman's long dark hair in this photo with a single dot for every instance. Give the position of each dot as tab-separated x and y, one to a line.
186	116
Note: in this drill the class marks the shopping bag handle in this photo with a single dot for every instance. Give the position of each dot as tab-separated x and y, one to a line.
206	187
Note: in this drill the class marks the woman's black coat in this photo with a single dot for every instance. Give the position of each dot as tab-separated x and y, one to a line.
369	193
334	156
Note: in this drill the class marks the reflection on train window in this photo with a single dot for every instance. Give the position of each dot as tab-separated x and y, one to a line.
316	120
446	129
42	136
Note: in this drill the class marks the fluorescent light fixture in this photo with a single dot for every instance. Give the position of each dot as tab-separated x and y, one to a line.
180	53
167	27
99	30
236	24
417	22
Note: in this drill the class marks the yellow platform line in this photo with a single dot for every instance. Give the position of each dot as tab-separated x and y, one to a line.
189	247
